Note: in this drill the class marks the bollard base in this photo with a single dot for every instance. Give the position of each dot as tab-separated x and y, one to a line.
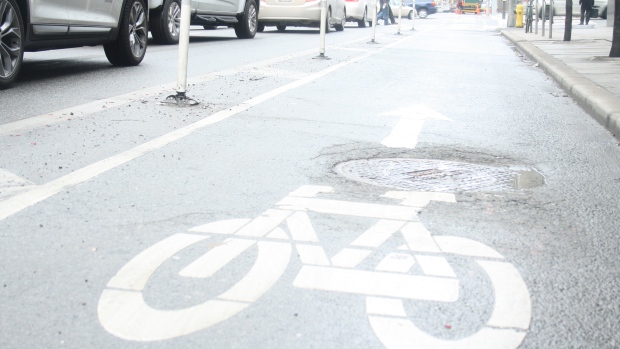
412	29
398	33
181	100
321	56
372	42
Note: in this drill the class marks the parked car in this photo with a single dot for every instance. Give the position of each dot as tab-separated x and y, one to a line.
423	7
165	17
301	13
358	11
120	26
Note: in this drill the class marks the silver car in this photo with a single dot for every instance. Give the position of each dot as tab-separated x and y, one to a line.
34	25
301	13
165	17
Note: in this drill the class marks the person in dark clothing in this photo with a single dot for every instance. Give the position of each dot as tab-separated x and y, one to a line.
385	12
586	9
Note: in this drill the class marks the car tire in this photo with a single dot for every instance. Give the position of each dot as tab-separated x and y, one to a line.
209	27
423	13
260	28
370	23
280	28
340	26
410	15
603	15
12	44
246	28
362	23
129	47
165	24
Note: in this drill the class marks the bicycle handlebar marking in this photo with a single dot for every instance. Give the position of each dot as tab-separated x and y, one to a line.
123	311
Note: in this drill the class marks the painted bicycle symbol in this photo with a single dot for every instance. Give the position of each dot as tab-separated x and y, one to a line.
124	313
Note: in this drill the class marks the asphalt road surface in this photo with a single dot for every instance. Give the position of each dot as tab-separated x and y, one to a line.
431	190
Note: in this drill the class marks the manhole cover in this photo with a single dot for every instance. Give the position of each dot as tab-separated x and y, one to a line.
438	175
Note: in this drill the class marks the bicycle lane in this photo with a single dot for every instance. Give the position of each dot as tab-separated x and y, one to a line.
243	167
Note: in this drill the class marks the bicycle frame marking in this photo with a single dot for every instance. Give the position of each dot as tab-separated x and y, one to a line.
124	313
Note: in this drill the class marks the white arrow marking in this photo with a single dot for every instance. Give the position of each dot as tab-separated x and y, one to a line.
405	132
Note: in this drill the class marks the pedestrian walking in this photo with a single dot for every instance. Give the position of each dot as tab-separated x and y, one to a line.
385	12
586	9
459	6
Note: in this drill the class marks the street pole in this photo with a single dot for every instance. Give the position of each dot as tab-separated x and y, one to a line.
400	15
413	17
322	29
544	15
550	18
181	97
503	9
374	22
536	9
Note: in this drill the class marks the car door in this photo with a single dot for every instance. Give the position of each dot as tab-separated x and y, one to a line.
218	6
92	15
49	17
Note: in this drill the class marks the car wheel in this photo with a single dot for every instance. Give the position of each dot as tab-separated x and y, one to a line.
130	45
362	23
423	13
410	15
260	28
603	15
166	23
246	29
340	26
209	27
11	42
370	23
281	28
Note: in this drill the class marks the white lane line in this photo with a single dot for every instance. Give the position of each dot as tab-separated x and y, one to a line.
418	238
378	233
21	201
93	107
11	184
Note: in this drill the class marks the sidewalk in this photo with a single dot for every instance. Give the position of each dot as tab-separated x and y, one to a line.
582	66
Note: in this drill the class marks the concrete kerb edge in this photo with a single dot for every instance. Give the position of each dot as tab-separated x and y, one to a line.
602	105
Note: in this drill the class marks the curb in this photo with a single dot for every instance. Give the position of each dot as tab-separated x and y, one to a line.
602	105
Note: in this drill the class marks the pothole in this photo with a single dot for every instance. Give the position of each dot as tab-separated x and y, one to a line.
438	175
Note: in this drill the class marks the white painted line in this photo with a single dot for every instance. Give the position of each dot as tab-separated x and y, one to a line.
385	306
513	307
435	266
21	201
11	184
262	225
376	235
135	274
312	255
349	257
278	233
228	226
405	132
273	258
216	258
377	283
353	208
301	228
309	191
126	315
418	238
396	263
395	333
465	247
419	199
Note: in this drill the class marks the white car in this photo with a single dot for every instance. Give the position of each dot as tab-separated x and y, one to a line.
359	11
301	13
165	17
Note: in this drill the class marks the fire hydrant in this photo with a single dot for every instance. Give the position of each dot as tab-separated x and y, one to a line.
519	19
